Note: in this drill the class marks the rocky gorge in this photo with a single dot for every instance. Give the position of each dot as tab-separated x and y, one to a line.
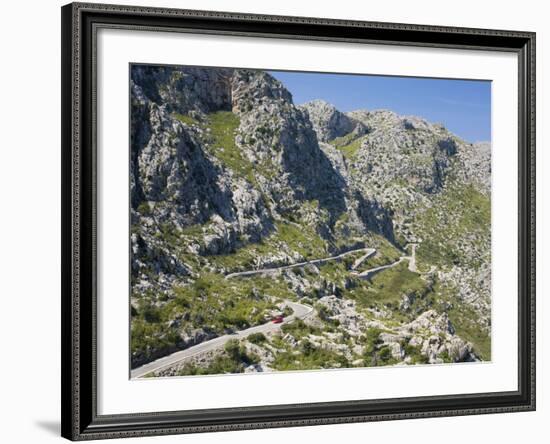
228	175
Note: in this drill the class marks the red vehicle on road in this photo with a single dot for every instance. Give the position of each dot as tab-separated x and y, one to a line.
278	319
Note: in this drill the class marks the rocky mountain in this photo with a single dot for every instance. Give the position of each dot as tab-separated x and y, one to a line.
229	175
329	123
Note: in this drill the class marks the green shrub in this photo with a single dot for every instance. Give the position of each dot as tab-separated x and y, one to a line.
311	357
233	360
188	120
384	353
298	329
372	340
232	348
415	354
144	208
257	338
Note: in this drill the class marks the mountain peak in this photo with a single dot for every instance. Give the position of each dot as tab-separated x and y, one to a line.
327	121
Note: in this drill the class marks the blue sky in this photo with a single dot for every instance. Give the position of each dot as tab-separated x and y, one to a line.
463	106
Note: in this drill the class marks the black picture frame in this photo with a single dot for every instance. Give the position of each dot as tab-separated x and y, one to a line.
80	420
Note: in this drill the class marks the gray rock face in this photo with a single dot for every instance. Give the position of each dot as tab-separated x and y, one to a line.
401	150
173	168
275	133
435	335
184	90
327	121
475	165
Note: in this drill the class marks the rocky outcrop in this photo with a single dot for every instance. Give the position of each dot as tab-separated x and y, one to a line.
474	165
434	334
407	152
329	123
278	136
184	90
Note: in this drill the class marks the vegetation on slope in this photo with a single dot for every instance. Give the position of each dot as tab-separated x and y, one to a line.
459	222
215	304
184	118
386	253
223	127
349	144
234	359
285	237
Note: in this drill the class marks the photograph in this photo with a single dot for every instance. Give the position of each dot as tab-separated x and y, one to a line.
298	221
277	221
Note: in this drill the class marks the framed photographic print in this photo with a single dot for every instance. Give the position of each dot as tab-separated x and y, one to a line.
278	221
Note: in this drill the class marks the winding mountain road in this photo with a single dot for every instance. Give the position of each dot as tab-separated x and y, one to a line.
412	258
367	274
300	311
368	253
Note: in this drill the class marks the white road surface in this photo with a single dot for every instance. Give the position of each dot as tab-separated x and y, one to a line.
368	252
367	274
300	311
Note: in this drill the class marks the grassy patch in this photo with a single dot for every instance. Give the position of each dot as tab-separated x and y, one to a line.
335	271
310	357
372	340
463	319
187	120
343	140
212	303
218	304
299	329
390	284
465	214
286	236
386	253
302	239
386	289
348	144
223	126
149	338
194	230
